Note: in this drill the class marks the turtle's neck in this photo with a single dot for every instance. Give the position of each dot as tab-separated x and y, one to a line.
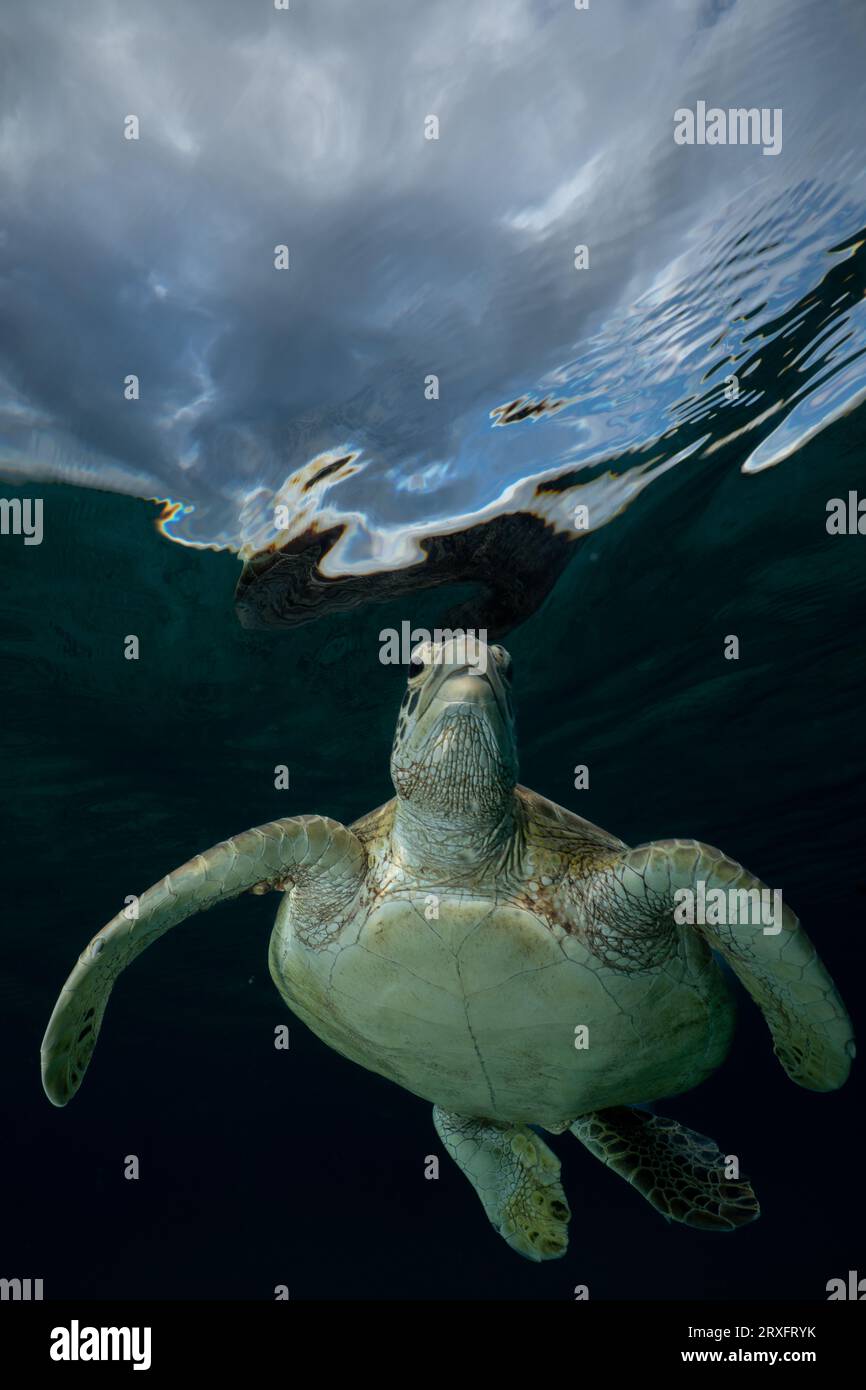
450	844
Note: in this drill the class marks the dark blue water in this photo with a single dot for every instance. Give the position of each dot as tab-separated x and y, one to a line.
261	1167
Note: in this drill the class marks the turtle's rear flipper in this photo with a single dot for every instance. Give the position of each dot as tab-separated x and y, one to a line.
682	1174
517	1178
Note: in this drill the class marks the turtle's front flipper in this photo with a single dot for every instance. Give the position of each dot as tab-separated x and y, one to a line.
299	852
517	1178
681	1173
775	960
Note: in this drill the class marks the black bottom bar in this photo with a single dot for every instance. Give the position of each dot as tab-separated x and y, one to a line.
276	1339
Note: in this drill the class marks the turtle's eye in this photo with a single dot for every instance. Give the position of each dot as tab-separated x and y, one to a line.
419	659
504	662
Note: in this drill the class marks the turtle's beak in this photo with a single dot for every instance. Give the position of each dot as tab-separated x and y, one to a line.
467	685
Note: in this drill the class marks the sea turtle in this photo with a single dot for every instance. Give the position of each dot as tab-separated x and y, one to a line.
503	958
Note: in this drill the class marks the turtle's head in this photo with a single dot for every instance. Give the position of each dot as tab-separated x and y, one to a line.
454	753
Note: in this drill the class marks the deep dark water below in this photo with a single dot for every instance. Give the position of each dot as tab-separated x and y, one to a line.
261	1167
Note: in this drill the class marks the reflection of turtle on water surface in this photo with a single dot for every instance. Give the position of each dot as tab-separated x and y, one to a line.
459	939
512	563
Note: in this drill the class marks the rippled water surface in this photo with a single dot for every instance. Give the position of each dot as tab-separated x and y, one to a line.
411	257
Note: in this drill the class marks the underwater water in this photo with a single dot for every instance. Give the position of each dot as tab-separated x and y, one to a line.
262	1167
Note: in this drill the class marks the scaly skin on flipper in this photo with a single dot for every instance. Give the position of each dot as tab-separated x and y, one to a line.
812	1033
292	854
517	1178
681	1173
